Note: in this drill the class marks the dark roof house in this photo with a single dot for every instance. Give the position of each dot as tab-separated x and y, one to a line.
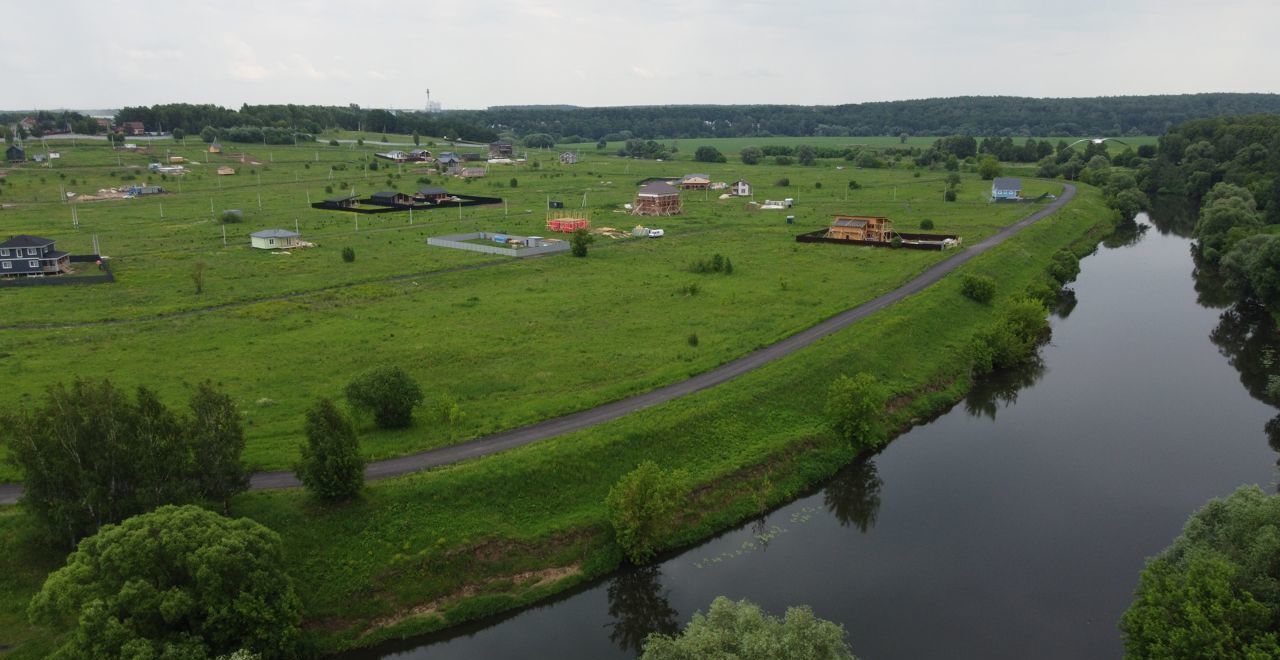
15	154
33	256
390	199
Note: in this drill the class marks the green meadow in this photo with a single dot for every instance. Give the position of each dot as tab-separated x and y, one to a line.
511	341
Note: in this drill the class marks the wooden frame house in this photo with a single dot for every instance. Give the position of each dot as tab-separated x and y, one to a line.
657	198
695	181
861	228
502	149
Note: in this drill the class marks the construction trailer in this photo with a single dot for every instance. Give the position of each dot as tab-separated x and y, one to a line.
657	199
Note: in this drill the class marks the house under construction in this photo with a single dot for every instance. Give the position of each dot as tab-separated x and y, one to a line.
861	228
567	221
657	198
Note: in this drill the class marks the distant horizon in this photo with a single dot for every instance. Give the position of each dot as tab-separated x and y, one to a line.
101	108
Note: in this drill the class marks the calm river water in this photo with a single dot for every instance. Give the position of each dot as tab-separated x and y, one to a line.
1013	526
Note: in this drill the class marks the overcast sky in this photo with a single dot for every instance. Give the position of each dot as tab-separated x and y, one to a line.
476	53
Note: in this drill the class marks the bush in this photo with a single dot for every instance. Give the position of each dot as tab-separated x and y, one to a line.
388	394
348	254
1064	267
1213	593
708	155
950	195
1012	339
179	582
751	155
231	216
514	183
716	264
579	241
693	339
333	143
926	224
331	467
854	185
742	631
978	288
783	160
854	407
895	242
783	182
641	508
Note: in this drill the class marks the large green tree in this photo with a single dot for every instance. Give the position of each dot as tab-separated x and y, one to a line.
179	582
707	154
217	440
641	507
331	467
90	456
855	405
1214	593
740	630
388	394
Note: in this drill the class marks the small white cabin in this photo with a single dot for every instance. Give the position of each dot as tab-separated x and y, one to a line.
275	239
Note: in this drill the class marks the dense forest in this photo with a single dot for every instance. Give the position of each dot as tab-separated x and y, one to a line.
993	116
968	115
1230	168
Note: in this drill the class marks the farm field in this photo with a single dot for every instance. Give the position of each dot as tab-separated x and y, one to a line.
511	341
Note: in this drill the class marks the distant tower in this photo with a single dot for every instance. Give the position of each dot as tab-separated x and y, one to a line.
432	106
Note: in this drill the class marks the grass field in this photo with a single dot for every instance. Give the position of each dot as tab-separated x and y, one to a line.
513	341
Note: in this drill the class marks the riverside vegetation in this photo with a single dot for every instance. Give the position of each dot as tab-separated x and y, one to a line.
424	551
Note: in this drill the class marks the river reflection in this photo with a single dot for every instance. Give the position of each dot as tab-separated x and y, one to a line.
1000	389
853	495
638	606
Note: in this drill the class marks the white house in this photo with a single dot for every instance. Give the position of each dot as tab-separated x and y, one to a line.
740	188
275	239
1006	188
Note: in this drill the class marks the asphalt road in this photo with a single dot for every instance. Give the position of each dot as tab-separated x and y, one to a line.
9	493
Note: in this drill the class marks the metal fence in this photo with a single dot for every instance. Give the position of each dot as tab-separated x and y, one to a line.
458	242
54	280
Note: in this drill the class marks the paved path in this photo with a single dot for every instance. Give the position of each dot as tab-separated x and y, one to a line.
550	428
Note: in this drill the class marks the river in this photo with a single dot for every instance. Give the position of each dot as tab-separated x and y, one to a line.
1013	526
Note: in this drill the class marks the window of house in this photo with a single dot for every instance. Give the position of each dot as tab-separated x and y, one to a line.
33	263
31	251
4	253
8	264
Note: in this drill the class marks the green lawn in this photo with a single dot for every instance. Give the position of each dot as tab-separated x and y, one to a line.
513	341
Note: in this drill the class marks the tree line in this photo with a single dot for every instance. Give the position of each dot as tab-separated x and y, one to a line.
1229	167
310	119
969	115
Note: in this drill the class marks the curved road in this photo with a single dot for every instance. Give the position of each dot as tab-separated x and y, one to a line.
9	493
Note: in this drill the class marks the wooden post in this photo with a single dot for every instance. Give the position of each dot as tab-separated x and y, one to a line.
224	236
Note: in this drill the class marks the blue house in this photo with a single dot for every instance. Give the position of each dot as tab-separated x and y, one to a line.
1006	188
32	256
